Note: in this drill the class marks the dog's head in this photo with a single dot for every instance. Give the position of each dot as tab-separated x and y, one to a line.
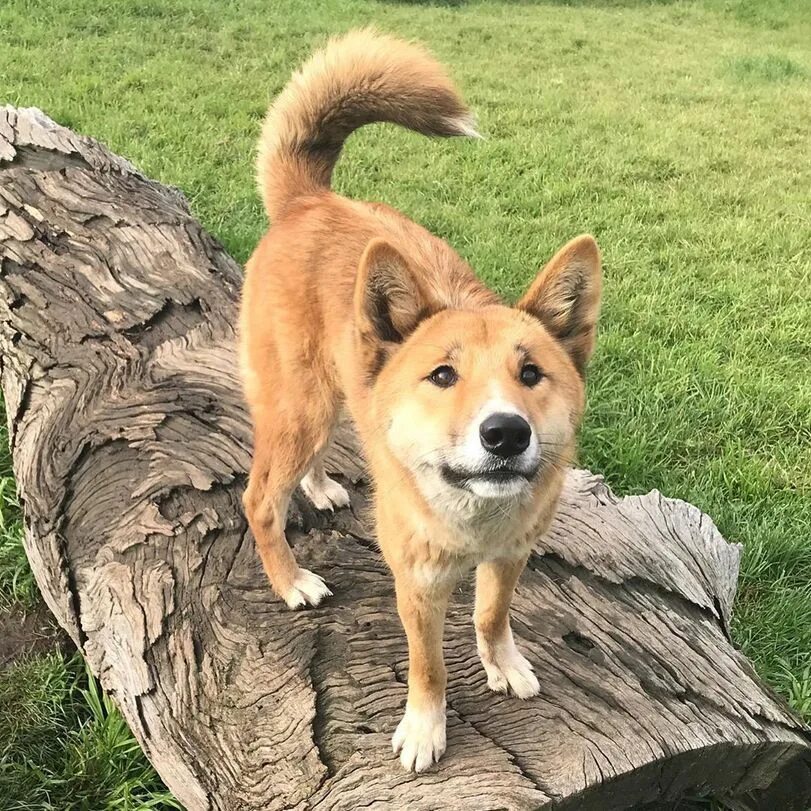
478	405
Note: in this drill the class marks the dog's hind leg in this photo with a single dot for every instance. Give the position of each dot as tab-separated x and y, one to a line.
286	442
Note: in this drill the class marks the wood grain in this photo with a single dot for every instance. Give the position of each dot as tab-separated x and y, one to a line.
131	445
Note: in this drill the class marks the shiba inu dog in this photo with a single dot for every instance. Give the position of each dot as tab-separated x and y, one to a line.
467	408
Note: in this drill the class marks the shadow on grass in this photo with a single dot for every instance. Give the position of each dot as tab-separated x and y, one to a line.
570	3
770	68
769	14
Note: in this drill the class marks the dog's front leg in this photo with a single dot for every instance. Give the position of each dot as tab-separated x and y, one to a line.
504	664
420	736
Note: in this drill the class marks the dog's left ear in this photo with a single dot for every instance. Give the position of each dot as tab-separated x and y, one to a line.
565	297
389	300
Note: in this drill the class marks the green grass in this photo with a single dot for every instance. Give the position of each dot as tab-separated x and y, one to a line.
17	585
65	747
768	68
677	132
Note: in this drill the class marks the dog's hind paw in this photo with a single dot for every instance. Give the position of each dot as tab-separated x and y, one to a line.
308	589
323	492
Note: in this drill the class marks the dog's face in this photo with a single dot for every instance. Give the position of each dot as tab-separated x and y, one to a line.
482	401
479	405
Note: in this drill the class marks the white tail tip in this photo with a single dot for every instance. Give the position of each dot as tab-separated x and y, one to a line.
465	125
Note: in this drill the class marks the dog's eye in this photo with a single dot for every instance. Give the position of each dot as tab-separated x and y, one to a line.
530	375
443	376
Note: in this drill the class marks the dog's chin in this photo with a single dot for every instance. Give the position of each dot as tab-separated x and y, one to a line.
501	483
511	488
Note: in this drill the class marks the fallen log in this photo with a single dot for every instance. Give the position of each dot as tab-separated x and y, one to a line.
131	445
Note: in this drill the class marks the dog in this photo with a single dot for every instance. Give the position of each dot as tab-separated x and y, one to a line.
467	409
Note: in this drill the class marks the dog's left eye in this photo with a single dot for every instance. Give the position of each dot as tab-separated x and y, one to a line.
443	376
530	375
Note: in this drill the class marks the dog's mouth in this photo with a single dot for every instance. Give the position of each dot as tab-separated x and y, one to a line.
504	475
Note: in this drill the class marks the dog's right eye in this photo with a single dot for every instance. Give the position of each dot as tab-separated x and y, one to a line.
443	376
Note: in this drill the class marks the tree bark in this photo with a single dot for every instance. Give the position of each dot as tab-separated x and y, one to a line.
131	445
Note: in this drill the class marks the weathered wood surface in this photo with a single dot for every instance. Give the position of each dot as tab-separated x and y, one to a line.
131	443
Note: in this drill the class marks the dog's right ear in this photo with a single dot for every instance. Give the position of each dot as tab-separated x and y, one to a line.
389	301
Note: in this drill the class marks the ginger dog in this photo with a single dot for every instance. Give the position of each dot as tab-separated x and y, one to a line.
467	408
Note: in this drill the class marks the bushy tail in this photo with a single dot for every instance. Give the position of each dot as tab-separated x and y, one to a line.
356	79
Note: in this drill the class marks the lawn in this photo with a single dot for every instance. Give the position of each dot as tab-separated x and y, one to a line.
676	132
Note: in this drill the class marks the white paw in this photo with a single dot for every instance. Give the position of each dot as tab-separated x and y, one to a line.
507	669
420	738
323	492
308	589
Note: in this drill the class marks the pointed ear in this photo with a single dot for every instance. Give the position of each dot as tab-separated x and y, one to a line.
389	301
565	297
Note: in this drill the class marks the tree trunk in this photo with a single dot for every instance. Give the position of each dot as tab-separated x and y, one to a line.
131	445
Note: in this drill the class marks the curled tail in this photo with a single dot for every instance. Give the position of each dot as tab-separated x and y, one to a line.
356	79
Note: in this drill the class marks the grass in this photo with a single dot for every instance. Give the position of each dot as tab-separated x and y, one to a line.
677	132
65	747
17	585
769	68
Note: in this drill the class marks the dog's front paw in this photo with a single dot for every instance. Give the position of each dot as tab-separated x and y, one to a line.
420	738
506	668
324	493
307	589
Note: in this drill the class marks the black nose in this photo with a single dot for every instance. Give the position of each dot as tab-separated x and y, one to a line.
505	434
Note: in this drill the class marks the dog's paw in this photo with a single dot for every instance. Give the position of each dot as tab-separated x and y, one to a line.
420	738
324	493
307	589
507	669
